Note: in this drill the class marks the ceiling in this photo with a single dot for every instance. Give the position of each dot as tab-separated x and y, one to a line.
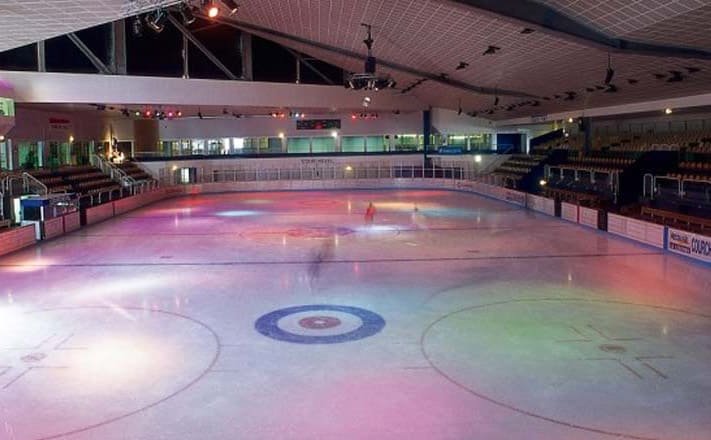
418	37
28	21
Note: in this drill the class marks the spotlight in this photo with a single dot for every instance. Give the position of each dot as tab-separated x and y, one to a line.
668	111
609	76
148	113
610	71
334	133
543	182
281	135
137	27
156	20
170	114
212	9
676	76
231	6
188	16
570	120
179	113
137	114
491	50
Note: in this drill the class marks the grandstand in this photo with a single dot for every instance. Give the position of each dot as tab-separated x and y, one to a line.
401	220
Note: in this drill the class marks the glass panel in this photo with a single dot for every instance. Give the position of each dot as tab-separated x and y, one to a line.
4	156
323	145
197	146
457	141
376	143
28	155
407	142
214	147
352	144
273	145
7	107
298	145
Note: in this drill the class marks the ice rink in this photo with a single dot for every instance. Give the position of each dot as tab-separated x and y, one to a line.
287	316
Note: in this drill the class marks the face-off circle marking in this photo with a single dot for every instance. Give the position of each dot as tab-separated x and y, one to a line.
510	353
101	362
319	322
371	324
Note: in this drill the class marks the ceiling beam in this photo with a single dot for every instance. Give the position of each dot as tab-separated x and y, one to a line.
546	19
91	56
254	29
205	51
308	64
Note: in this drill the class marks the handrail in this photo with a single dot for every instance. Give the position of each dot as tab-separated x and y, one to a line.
29	178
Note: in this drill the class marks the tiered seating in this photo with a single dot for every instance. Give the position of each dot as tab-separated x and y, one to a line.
677	220
519	166
693	170
135	171
80	179
601	162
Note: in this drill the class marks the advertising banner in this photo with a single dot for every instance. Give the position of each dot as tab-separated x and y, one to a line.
692	245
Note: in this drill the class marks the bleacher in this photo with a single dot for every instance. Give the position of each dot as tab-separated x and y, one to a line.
519	169
134	171
85	180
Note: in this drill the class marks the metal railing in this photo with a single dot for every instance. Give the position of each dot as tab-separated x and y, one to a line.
323	173
652	186
120	176
32	185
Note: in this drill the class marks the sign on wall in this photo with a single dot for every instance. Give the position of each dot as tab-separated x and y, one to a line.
60	124
318	124
692	245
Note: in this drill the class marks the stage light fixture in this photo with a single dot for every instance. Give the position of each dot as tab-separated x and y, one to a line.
137	26
179	113
491	50
610	71
186	11
212	9
668	111
570	120
156	20
231	6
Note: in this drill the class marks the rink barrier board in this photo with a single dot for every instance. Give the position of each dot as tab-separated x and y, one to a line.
52	228
589	217
689	244
16	239
637	230
679	242
540	204
569	212
72	222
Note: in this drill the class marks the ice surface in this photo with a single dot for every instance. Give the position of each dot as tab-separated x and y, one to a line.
501	324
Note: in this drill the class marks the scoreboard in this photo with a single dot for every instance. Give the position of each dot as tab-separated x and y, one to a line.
318	124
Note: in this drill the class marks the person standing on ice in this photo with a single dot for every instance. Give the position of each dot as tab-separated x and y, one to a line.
370	214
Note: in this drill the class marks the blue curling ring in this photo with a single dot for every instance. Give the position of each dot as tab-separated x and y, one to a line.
267	325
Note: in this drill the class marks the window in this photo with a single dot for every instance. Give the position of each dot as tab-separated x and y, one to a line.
4	162
28	155
7	107
298	145
323	144
376	144
352	144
